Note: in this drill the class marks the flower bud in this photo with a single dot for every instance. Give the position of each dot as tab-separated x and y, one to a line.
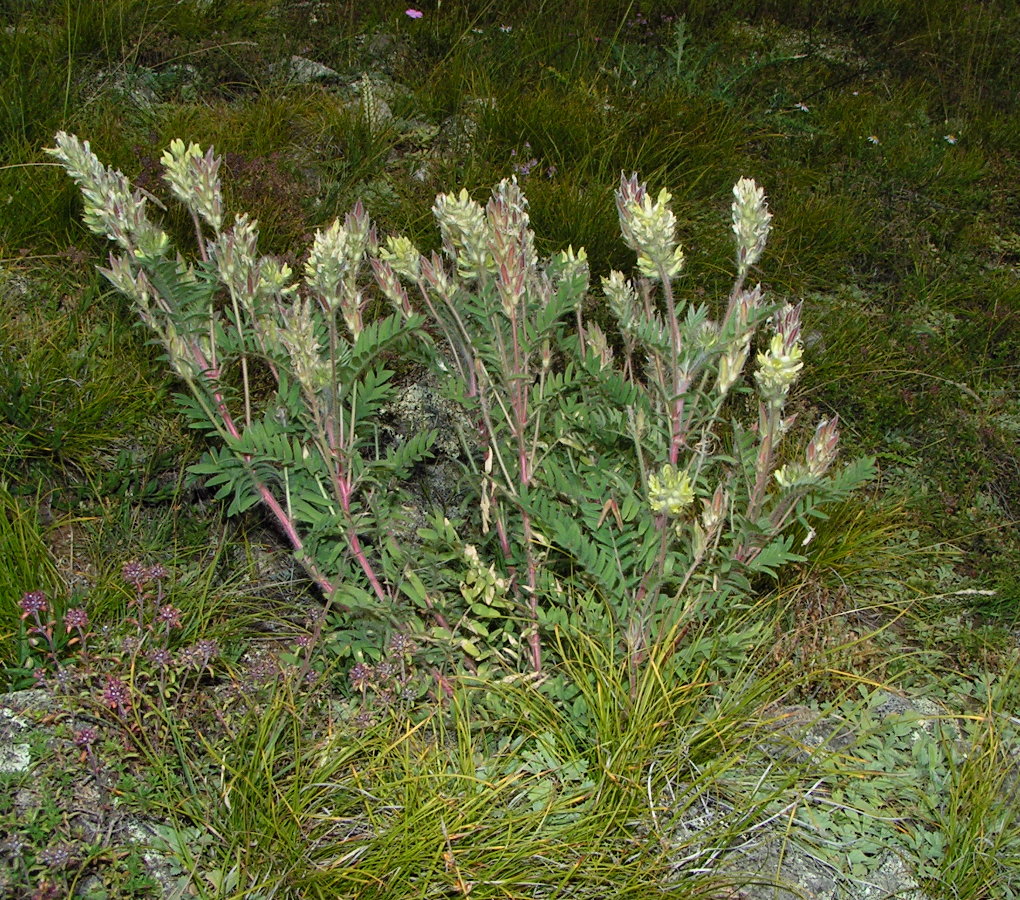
622	299
436	277
391	287
598	345
714	511
234	253
731	365
298	336
821	451
570	268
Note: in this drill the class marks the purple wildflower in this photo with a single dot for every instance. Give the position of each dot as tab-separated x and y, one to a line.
361	676
32	603
198	655
209	650
401	644
86	737
13	847
76	618
116	695
413	13
135	574
59	856
160	657
169	615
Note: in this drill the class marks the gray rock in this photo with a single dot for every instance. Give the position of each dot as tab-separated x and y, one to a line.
300	70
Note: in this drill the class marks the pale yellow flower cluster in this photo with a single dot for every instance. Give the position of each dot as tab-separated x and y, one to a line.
111	209
194	179
778	369
465	234
649	228
670	492
751	223
820	454
402	256
332	266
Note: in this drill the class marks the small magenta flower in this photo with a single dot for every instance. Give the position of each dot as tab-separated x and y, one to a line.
32	603
76	618
116	695
413	13
85	738
169	615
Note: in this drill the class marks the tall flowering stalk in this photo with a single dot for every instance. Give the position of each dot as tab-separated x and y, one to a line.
501	313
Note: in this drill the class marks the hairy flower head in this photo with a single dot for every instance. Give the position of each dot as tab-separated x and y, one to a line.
111	209
234	252
670	492
779	366
649	228
465	234
194	179
335	256
821	451
778	369
751	223
299	338
622	299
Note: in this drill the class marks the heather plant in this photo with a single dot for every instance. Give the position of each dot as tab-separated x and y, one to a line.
140	675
